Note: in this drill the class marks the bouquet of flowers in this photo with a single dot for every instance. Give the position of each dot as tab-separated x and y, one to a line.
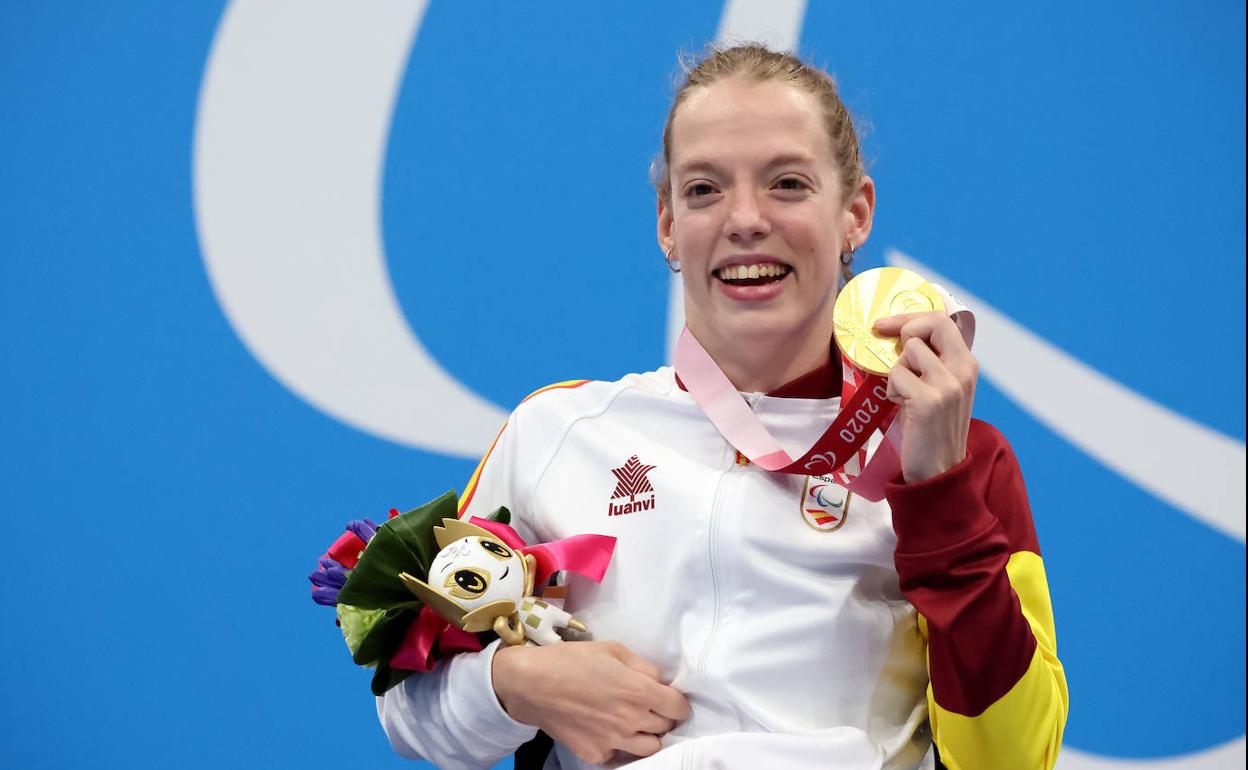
396	623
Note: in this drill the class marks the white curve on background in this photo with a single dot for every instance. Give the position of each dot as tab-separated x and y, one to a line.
1202	471
289	154
1228	756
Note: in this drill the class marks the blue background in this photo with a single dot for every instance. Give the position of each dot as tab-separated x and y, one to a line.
1079	166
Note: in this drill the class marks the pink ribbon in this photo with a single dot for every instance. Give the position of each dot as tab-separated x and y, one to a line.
865	409
586	555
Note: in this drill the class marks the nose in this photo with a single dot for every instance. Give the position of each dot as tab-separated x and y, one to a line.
746	219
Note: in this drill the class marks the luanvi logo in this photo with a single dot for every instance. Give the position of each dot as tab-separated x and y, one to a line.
631	482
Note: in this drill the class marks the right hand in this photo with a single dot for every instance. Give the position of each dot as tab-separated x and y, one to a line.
593	697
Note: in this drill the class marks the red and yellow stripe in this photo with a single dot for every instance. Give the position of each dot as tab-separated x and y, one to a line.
968	559
470	488
1023	727
556	386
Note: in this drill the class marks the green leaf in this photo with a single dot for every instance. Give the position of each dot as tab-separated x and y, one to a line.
383	640
374	583
403	544
385	677
356	624
415	528
502	516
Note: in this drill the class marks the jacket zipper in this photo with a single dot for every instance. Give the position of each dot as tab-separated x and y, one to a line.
712	537
712	543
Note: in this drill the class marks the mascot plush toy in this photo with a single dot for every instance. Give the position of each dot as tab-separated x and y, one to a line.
481	580
479	584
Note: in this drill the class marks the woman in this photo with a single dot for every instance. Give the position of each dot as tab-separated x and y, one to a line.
743	630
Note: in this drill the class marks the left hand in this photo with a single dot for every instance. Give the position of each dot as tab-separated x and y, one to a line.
934	382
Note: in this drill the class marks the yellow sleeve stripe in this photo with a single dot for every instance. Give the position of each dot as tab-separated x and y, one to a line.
1022	729
555	386
1026	572
470	488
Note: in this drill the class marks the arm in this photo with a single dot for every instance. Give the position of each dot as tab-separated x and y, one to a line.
450	715
968	560
455	715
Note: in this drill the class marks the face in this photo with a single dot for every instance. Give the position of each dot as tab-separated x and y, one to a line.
474	571
756	215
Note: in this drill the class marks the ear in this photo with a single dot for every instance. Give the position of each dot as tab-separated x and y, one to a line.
450	610
860	212
666	226
482	618
455	529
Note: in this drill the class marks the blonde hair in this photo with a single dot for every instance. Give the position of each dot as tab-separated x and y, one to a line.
758	64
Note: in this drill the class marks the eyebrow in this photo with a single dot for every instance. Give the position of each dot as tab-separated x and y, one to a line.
788	159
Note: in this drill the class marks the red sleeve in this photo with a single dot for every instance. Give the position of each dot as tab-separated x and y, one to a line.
955	535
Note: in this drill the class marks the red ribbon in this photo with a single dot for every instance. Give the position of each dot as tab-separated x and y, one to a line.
586	555
866	411
415	653
346	549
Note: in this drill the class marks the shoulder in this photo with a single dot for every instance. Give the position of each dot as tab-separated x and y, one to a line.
536	430
562	402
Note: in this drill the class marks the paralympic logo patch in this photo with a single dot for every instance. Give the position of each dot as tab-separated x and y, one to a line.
824	503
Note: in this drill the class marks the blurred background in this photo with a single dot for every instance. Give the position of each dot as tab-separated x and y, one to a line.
269	266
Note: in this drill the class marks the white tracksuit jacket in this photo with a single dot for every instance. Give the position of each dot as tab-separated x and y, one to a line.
794	645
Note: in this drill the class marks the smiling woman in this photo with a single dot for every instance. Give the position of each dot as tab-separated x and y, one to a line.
766	209
733	632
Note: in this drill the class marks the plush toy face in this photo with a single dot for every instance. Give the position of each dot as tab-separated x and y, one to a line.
474	571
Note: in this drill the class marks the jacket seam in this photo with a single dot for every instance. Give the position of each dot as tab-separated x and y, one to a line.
537	516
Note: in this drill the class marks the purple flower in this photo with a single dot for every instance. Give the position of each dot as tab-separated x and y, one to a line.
327	580
364	529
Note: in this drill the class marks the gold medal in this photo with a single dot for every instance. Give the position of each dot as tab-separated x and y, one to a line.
869	297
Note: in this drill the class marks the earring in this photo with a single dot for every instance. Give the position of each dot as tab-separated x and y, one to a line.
847	257
673	264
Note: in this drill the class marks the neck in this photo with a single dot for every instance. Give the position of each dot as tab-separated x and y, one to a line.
763	365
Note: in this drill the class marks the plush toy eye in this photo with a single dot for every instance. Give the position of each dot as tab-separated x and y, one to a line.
495	549
467	582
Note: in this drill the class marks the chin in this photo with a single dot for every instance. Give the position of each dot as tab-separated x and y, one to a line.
760	325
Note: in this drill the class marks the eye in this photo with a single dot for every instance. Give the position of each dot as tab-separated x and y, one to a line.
497	550
699	190
788	183
467	583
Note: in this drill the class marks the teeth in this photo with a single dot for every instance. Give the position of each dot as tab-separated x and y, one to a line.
740	272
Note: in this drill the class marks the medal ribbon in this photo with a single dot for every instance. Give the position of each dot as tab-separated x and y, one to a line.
865	409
